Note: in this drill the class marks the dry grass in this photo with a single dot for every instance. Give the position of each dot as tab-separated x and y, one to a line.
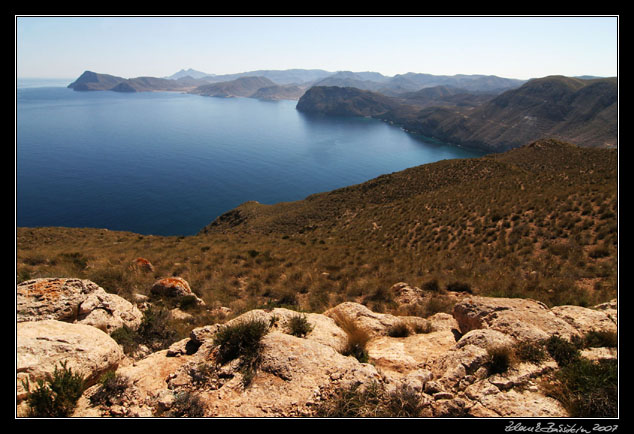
357	338
538	224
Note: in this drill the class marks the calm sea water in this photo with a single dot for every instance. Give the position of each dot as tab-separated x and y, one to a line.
168	163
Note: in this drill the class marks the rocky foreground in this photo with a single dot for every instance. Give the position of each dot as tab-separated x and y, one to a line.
445	360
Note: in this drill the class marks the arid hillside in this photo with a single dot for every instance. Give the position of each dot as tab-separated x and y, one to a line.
537	222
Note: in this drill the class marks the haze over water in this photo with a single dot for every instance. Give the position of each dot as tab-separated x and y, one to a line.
168	163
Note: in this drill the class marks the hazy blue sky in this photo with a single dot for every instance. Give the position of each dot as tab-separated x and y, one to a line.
514	47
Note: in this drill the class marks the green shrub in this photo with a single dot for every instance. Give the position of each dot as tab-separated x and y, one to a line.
127	338
155	330
241	340
459	287
112	386
299	326
399	330
530	352
187	404
500	359
563	351
589	389
371	401
596	339
57	397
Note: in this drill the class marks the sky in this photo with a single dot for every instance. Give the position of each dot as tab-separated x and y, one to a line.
507	46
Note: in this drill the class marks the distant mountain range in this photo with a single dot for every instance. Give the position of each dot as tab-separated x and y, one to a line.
411	82
584	112
477	111
192	73
300	80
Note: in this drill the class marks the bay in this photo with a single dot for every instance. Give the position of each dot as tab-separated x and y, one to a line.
167	163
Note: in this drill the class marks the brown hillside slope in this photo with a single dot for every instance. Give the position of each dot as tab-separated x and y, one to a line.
584	112
538	222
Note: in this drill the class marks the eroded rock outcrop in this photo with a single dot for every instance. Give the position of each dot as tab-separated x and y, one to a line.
75	301
44	345
444	359
522	319
174	287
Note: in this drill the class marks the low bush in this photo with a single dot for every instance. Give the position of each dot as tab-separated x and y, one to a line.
112	386
156	331
399	330
127	338
57	395
588	389
188	302
187	404
241	340
431	285
533	352
203	374
596	339
563	351
371	401
500	359
459	287
299	326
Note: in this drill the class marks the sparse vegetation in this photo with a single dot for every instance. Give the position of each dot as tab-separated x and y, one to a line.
563	351
596	338
299	326
500	359
399	330
57	395
451	224
112	386
186	404
532	352
157	331
357	339
241	340
588	389
371	401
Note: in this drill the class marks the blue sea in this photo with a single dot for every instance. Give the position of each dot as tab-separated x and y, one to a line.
167	163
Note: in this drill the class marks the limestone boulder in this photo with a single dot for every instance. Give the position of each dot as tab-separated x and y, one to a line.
44	345
586	320
75	301
486	338
142	264
402	356
174	287
405	294
293	375
520	403
147	379
374	324
610	308
521	319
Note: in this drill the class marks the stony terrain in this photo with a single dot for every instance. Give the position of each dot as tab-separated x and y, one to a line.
443	361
